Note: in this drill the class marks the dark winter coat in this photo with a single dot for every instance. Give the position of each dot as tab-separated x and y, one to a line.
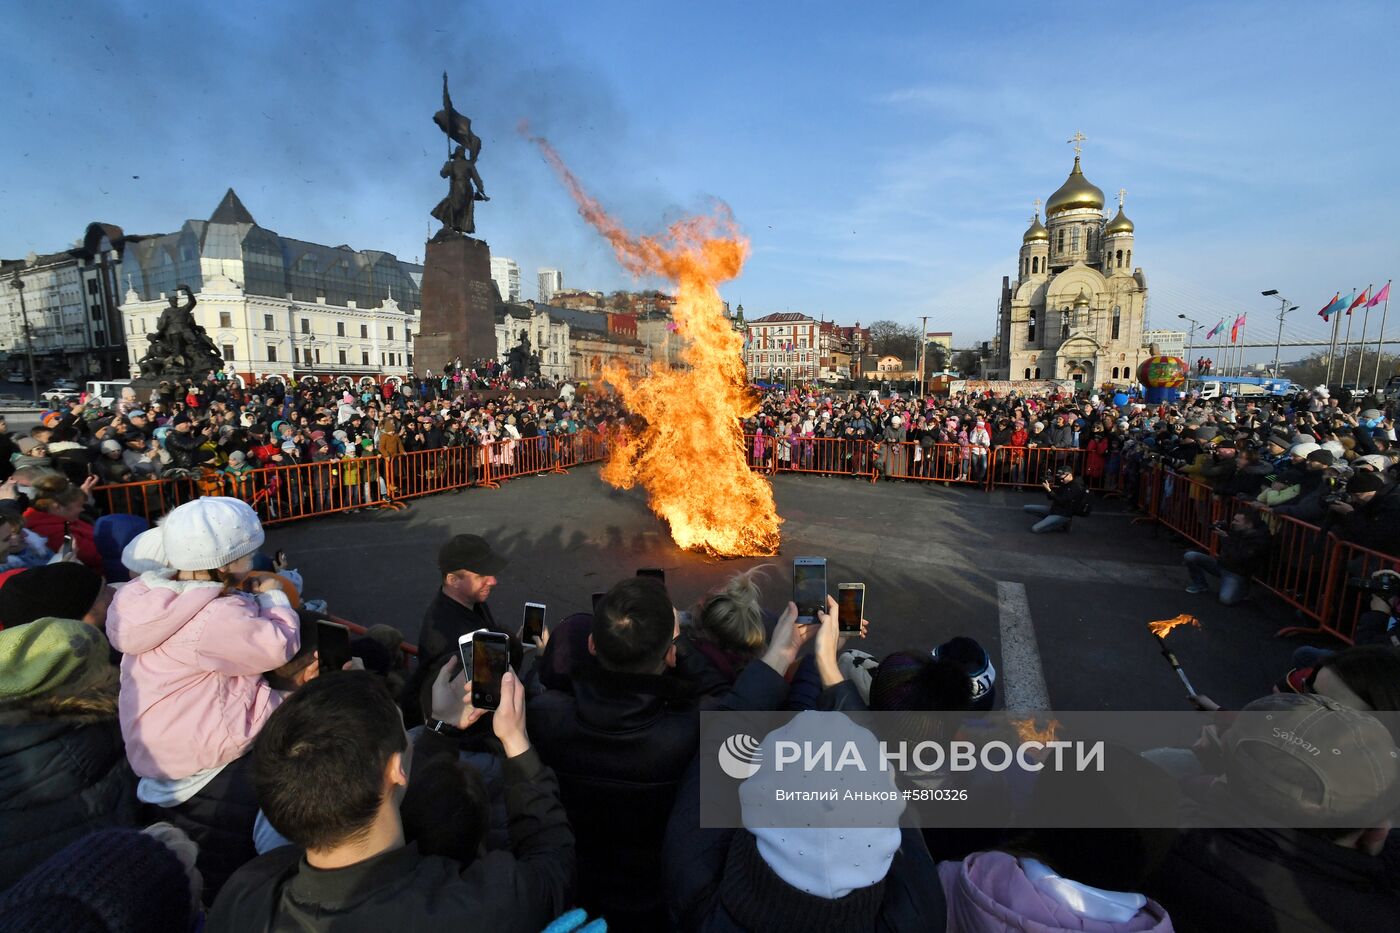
716	881
1275	880
620	744
519	889
63	774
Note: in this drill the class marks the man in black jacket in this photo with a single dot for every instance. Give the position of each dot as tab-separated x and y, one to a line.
1244	550
622	740
1370	516
1067	498
468	566
1314	856
330	768
182	443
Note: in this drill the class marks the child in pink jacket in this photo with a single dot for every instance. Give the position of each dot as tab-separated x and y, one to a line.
192	692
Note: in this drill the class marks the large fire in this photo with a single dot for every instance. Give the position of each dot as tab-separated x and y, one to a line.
689	455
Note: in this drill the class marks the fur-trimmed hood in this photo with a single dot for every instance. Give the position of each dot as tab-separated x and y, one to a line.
96	702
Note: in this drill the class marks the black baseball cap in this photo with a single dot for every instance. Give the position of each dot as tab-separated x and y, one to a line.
471	553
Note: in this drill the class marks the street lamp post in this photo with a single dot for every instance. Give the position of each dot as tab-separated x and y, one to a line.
1190	342
17	283
1283	309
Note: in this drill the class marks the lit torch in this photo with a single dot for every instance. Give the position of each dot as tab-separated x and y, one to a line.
1159	630
688	450
1028	730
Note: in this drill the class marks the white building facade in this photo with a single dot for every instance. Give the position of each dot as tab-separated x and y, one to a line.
550	281
1169	342
782	347
275	306
71	300
549	337
506	274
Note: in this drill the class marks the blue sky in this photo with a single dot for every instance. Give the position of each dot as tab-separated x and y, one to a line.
882	156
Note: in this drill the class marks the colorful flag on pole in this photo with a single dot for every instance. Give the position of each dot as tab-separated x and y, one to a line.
1235	331
1382	295
1210	334
1365	296
1330	307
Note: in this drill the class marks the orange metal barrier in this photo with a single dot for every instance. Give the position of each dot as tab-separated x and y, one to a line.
940	463
829	456
1188	507
758	450
1298	556
509	458
1026	467
1347	564
424	472
302	490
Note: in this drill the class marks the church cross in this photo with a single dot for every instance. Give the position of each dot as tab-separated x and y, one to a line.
1121	193
1037	207
1077	138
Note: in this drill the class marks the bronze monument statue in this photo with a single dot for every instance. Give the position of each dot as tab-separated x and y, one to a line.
179	348
457	211
523	364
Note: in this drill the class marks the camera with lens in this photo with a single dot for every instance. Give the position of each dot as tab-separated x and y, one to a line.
1048	477
1339	496
1385	584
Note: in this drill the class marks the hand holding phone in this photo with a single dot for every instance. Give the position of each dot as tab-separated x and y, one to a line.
490	661
332	646
809	588
850	607
449	701
532	625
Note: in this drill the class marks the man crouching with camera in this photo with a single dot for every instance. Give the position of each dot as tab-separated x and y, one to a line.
1067	499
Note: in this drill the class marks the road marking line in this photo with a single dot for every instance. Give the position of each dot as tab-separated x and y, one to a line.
1022	679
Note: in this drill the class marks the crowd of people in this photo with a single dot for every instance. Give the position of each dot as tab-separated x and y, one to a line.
173	756
166	724
1323	459
218	434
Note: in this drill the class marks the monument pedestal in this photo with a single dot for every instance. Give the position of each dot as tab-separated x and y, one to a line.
459	304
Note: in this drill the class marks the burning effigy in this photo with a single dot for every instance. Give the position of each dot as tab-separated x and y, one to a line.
687	448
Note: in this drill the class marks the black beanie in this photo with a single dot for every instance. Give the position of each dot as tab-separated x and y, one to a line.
1366	482
113	880
62	591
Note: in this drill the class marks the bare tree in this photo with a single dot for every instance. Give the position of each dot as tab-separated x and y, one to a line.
890	338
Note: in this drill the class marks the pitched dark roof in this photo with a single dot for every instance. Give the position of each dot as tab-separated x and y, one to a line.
782	317
231	211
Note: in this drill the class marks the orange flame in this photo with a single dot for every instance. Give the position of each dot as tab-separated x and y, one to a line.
1163	626
689	455
1028	730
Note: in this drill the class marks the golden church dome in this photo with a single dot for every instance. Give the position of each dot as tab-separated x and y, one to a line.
1077	192
1083	300
1119	224
1036	231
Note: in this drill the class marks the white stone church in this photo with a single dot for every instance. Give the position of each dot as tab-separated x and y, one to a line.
1075	309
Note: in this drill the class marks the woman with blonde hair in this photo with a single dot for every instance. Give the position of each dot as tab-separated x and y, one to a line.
728	628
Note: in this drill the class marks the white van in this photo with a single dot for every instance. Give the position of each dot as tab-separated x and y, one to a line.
107	393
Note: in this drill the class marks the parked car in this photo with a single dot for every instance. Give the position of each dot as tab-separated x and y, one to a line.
67	384
56	396
16	375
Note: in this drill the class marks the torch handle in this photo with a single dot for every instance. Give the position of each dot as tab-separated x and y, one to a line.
1176	665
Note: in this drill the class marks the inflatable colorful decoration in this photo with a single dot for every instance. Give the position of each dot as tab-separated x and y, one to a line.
1163	377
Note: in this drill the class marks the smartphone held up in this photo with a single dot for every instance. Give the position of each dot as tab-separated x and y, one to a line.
532	624
850	607
809	588
490	661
